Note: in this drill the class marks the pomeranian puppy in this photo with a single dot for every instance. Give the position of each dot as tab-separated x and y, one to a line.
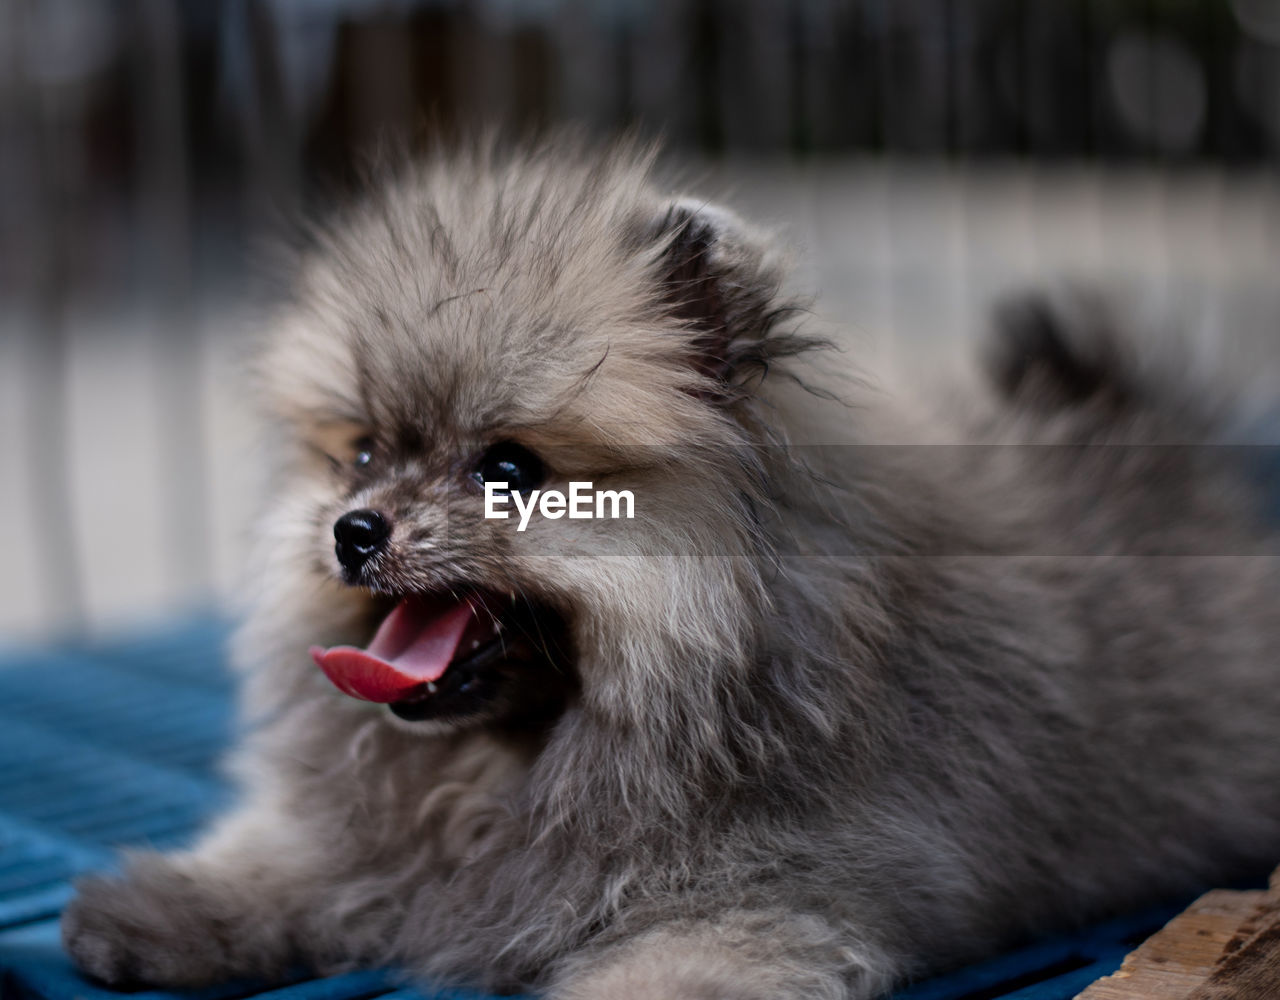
849	698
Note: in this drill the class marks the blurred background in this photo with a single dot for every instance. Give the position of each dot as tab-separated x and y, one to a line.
921	155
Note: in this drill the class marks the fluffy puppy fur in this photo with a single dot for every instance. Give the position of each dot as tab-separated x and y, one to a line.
849	700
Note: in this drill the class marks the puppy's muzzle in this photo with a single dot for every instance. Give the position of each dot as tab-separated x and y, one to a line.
360	535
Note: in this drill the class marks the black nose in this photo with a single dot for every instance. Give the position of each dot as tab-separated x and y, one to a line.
360	534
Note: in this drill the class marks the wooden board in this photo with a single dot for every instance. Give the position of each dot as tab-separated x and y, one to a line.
1179	958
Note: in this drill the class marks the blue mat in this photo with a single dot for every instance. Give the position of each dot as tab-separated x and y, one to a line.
116	742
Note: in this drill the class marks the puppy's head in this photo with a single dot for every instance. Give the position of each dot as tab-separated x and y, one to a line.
534	321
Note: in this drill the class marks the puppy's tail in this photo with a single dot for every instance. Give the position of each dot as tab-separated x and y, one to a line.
1050	352
1078	350
1074	360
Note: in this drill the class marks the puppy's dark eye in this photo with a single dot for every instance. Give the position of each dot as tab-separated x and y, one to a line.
364	452
513	464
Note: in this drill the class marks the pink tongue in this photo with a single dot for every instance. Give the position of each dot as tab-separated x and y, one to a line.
410	649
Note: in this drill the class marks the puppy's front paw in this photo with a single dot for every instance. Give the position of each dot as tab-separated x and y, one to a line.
154	930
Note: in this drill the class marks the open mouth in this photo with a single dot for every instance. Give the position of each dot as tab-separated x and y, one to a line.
477	655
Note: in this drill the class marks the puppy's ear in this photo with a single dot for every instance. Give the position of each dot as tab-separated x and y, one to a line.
722	280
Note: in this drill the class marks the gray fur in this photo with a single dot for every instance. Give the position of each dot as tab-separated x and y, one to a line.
884	709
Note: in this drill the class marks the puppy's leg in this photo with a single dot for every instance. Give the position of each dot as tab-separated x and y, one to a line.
741	956
225	909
